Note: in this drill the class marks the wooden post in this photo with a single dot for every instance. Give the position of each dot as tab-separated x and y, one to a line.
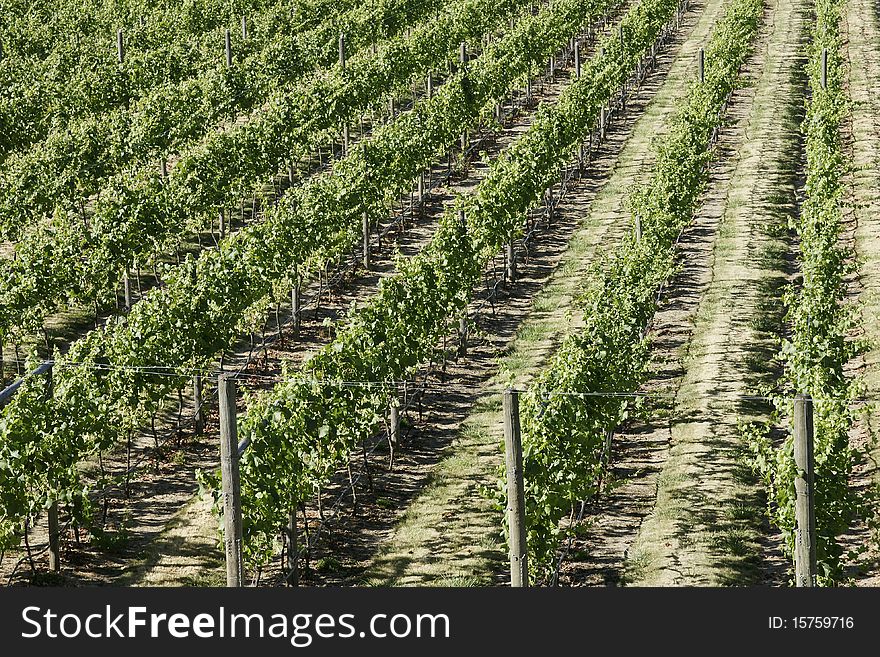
222	224
430	84
366	242
511	261
462	58
606	449
292	549
824	70
516	506
228	50
552	64
244	31
395	424
805	536
231	484
602	124
701	66
463	334
577	59
198	411
342	51
294	305
164	168
120	46
126	286
54	538
638	221
52	514
345	134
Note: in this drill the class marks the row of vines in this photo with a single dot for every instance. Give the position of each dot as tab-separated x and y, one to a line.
302	431
567	412
66	259
74	161
108	384
817	352
59	60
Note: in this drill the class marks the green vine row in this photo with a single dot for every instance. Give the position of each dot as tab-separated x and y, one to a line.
73	162
301	432
65	260
816	354
565	414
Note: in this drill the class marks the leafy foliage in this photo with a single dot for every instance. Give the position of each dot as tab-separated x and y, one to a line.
819	347
106	385
576	399
301	432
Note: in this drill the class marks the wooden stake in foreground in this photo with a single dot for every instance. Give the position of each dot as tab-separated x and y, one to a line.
516	508
805	533
231	485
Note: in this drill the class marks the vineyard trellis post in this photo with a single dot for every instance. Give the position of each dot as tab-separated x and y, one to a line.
366	227
805	532
232	535
126	283
463	319
516	507
345	133
824	70
52	511
120	46
244	28
510	256
701	66
228	50
622	54
294	306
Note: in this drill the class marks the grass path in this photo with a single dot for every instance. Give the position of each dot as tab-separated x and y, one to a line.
450	535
